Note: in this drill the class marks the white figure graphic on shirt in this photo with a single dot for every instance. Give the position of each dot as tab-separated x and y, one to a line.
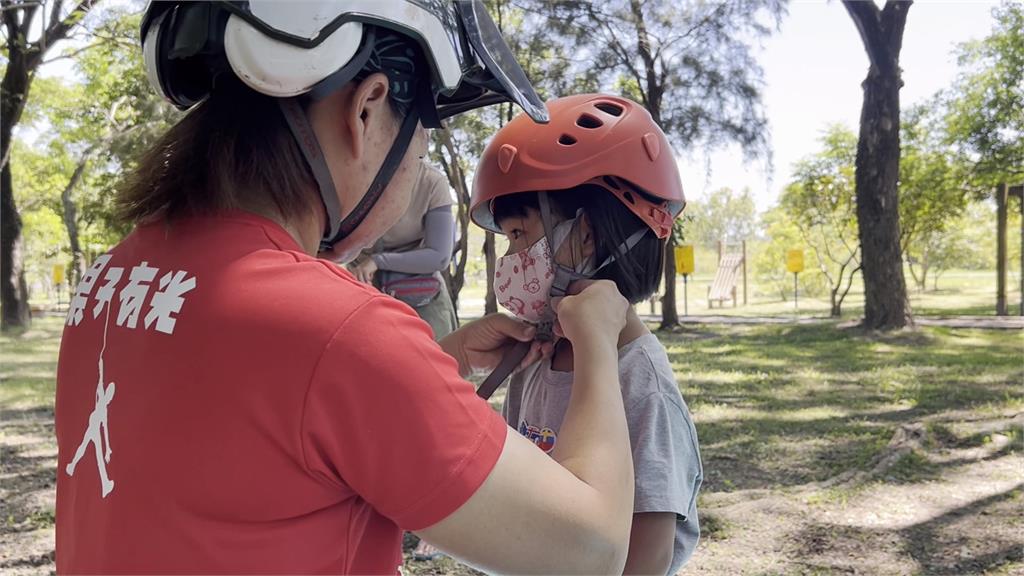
98	424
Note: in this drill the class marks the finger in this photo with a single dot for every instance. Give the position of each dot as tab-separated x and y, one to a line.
579	286
512	328
547	349
534	355
556	302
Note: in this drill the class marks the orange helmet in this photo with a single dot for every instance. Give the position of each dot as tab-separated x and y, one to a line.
592	139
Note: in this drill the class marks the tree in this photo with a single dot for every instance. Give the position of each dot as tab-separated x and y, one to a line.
105	122
821	202
931	194
724	215
24	57
985	119
690	64
769	261
878	163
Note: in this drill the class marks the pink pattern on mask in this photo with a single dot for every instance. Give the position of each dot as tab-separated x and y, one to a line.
517	306
527	275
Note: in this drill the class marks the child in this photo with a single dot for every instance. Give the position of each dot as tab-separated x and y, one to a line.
593	194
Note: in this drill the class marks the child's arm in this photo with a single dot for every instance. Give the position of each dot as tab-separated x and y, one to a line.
651	543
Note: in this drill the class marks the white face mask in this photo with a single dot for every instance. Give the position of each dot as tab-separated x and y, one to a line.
522	281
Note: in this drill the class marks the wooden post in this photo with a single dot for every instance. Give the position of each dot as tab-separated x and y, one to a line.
719	252
744	272
1001	217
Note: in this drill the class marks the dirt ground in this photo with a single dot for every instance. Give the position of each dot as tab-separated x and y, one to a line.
945	496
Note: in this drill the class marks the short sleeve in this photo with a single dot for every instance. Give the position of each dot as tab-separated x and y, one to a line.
388	416
440	193
666	458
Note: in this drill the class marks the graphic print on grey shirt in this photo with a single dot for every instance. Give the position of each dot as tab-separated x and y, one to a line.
666	456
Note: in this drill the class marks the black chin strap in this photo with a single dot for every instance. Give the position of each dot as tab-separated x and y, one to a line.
338	228
380	181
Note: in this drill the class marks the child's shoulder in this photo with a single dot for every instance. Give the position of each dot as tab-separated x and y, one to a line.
645	370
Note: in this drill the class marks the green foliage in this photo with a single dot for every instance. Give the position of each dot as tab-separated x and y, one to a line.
769	259
724	215
102	117
986	105
691	64
931	193
820	202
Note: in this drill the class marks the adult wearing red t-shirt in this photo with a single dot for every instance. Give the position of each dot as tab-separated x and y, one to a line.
228	402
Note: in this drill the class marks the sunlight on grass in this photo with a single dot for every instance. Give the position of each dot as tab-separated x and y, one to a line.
28	364
777	405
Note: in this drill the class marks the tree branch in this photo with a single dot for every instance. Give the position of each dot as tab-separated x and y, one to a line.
71	55
894	20
865	15
10	23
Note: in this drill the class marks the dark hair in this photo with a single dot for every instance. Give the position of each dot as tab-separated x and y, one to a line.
638	271
231	151
235	149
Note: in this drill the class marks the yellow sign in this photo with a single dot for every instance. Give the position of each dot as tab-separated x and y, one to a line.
795	261
684	259
58	274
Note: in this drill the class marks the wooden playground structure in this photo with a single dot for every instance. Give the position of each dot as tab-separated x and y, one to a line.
730	267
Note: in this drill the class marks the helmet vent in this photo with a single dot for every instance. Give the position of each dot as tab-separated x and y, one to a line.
610	182
629	197
588	121
566	140
609	108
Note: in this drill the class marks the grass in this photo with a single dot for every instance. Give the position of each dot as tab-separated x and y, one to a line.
28	364
803	403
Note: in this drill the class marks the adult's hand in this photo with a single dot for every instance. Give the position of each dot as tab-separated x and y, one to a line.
480	345
593	309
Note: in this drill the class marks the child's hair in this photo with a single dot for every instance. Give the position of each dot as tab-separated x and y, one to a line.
638	271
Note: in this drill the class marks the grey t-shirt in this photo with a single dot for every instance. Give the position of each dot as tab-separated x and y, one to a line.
666	457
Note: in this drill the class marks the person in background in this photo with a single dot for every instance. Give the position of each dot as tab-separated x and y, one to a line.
407	261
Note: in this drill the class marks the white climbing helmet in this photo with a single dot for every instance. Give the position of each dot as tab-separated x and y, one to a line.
310	48
285	49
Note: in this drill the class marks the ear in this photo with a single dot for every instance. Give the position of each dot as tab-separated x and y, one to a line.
586	235
368	109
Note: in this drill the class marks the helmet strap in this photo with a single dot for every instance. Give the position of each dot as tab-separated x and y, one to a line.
380	181
565	275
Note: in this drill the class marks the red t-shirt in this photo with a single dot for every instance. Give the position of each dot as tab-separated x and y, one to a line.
264	412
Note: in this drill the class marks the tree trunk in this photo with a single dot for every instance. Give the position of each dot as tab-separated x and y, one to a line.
490	300
457	180
71	220
1002	201
878	164
924	273
669	313
918	281
13	291
23	59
